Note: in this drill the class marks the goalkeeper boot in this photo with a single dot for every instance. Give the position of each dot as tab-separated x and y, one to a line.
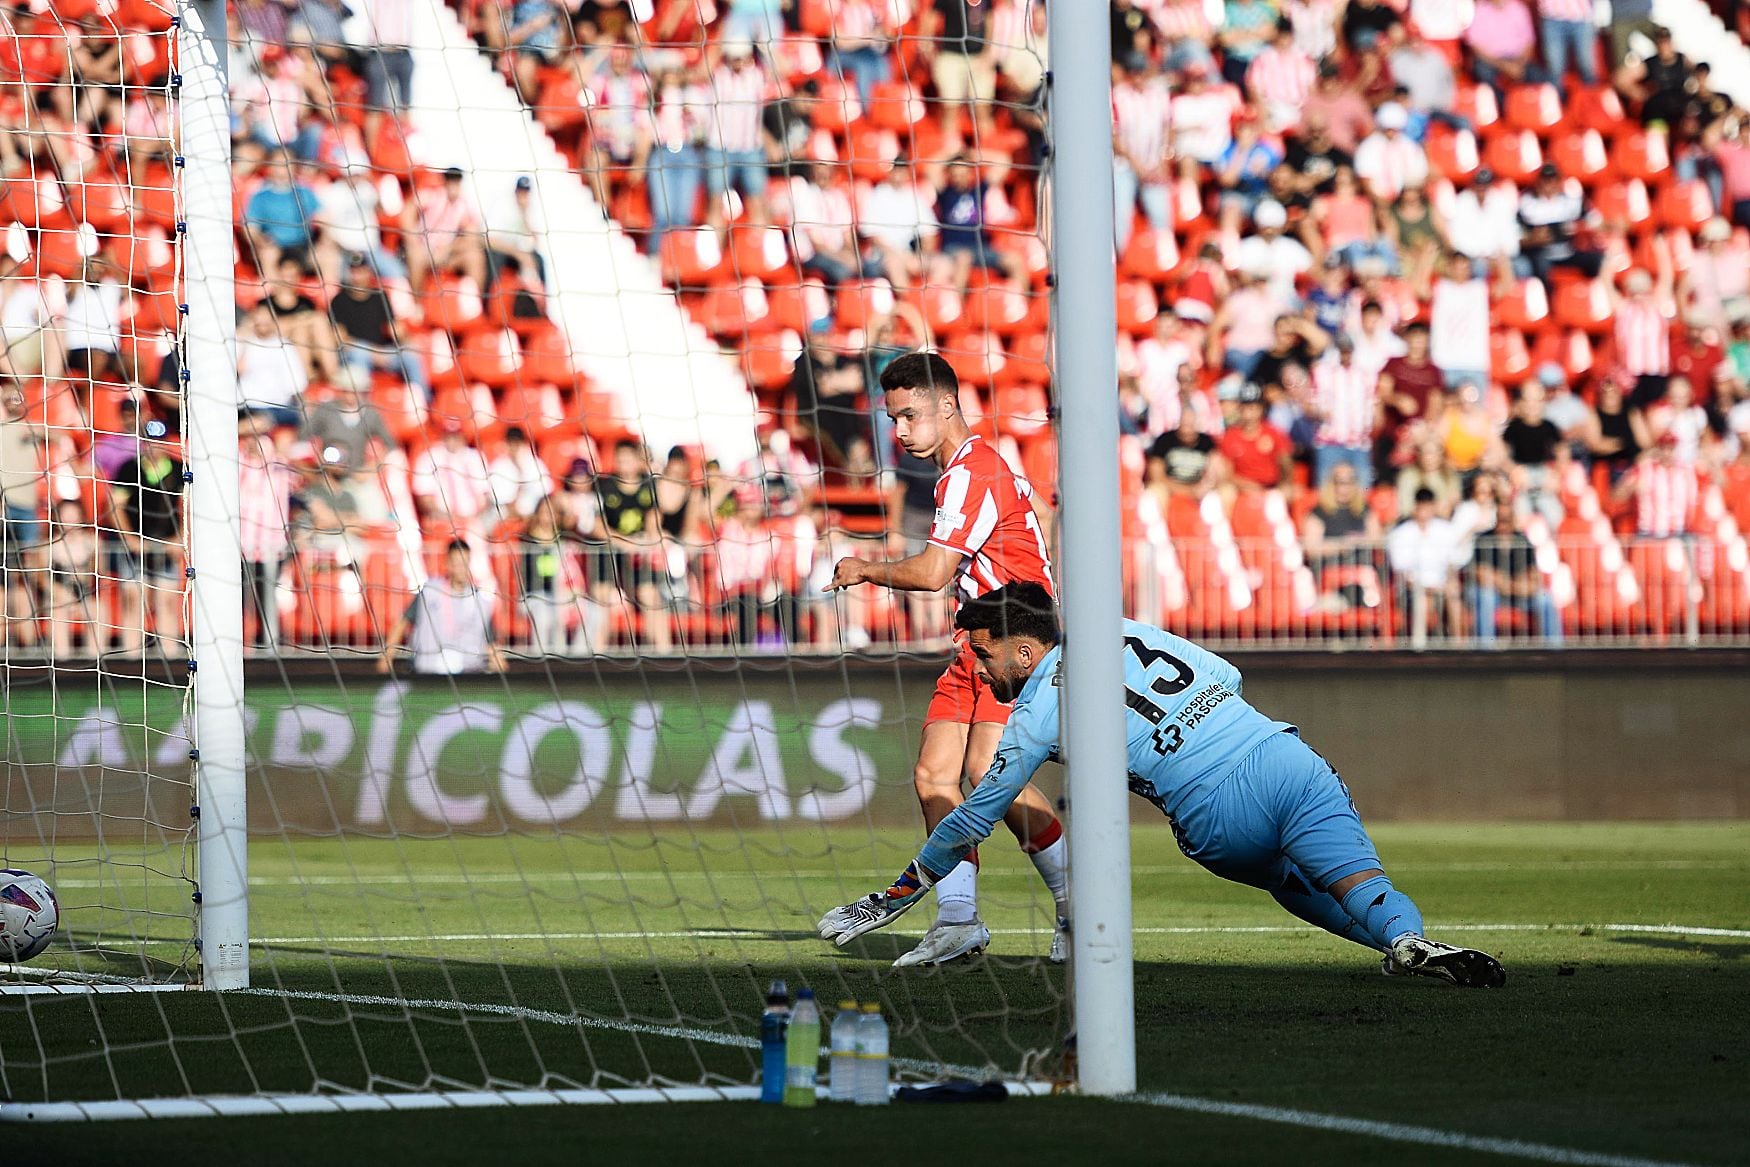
946	942
1415	955
1060	942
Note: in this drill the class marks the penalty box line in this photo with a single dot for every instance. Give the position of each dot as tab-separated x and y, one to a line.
1397	1132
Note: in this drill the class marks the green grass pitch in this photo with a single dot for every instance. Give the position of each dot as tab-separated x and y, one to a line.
1605	1040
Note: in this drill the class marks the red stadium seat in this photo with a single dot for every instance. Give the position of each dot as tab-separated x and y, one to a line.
1137	308
1514	155
692	258
1685	206
1623	204
1585	306
1537	108
1453	155
1642	154
1580	155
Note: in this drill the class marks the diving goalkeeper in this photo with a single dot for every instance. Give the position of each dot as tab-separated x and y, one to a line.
1246	798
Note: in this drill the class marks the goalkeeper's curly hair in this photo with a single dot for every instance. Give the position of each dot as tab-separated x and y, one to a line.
1022	608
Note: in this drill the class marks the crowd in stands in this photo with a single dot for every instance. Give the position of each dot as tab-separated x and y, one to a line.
1434	318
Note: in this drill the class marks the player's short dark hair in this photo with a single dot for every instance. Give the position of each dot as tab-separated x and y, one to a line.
922	373
1021	608
459	544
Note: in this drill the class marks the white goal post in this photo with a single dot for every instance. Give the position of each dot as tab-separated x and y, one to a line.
217	740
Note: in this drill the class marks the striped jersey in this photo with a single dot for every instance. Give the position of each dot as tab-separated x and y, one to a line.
1643	337
984	514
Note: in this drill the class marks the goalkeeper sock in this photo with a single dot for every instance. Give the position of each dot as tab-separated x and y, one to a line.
1318	908
957	893
1383	910
1049	851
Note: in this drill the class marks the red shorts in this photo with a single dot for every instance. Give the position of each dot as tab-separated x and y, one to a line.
962	698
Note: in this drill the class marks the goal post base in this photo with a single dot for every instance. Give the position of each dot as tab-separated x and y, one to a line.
261	1105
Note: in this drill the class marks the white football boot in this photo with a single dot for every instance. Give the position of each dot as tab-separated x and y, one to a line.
1060	942
1419	956
946	942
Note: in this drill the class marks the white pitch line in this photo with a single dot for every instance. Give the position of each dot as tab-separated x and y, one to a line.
1400	1132
1181	930
290	882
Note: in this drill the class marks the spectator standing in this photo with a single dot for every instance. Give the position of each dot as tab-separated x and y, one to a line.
23	484
448	626
1504	574
1141	157
72	570
386	36
683	111
1503	45
1423	552
1621	433
1388	160
961	216
862	44
1568	34
144	554
1280	79
621	134
962	63
1344	403
1643	337
735	155
545	580
744	565
266	483
1679	416
634	528
1247	29
828	388
822	223
1458	324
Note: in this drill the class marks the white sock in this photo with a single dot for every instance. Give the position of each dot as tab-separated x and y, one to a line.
1052	863
957	895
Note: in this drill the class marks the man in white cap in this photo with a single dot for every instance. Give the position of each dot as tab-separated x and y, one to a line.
1387	160
1278	256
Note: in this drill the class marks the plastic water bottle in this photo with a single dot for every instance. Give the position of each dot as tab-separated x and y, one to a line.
802	1051
872	1069
774	1022
845	1064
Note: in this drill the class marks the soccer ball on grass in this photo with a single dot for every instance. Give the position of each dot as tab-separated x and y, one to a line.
29	915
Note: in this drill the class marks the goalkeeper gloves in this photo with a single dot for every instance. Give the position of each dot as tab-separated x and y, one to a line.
877	909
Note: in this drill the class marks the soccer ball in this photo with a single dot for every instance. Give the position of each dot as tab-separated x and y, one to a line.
29	915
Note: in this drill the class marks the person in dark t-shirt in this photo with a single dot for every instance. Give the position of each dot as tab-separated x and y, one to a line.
1184	458
1504	573
627	499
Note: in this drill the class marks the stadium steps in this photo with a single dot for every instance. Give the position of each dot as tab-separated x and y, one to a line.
626	332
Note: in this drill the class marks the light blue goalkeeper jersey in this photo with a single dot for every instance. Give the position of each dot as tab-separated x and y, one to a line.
1186	728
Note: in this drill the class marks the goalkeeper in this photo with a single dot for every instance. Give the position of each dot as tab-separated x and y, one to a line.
1246	798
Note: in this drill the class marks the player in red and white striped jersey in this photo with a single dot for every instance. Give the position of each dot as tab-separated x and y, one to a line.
986	534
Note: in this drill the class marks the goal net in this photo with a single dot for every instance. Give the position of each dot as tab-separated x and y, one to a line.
555	348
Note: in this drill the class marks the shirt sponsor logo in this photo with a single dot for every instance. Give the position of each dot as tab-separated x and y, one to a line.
1202	705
